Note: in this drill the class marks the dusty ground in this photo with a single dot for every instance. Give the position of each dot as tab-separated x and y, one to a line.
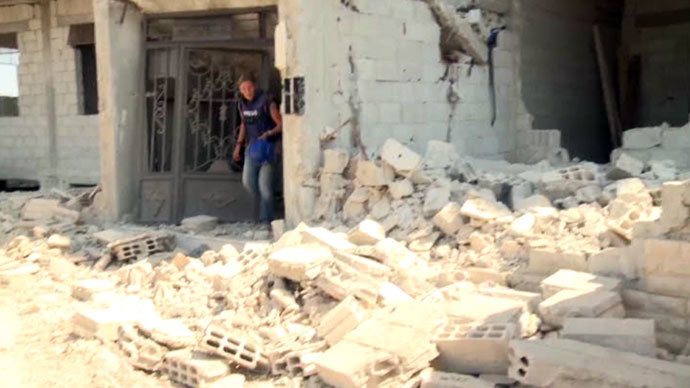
37	348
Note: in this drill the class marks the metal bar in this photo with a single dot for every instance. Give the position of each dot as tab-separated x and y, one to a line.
210	109
198	118
152	125
164	135
240	44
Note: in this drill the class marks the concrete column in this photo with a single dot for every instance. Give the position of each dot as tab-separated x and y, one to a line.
120	53
305	44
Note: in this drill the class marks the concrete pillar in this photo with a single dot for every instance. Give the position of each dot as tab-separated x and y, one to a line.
307	45
120	53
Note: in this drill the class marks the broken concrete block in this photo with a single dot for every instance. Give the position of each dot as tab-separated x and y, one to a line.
642	138
413	354
381	209
482	209
277	229
567	363
580	304
370	367
564	182
335	161
61	268
390	293
101	323
368	232
394	254
473	350
141	246
449	219
436	198
482	275
342	319
664	170
362	264
572	280
530	299
59	241
625	167
400	189
524	225
548	261
326	238
141	352
200	223
430	378
627	335
533	201
85	289
169	332
370	174
401	158
440	154
284	299
235	348
299	263
194	369
674	211
485	309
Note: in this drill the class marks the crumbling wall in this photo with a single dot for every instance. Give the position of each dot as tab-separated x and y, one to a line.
665	55
373	71
24	140
559	77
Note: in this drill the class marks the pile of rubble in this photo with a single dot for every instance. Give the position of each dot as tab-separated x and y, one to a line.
432	271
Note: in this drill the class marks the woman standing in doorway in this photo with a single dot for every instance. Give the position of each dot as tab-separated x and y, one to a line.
261	130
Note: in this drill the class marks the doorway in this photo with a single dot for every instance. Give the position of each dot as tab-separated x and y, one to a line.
192	119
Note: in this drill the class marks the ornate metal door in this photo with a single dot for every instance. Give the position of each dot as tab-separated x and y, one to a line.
192	122
211	119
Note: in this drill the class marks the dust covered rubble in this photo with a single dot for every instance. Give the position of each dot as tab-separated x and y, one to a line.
492	273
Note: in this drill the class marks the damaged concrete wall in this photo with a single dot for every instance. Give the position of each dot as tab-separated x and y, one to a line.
25	140
665	57
559	74
373	71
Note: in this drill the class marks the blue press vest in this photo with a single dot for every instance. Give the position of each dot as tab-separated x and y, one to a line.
256	115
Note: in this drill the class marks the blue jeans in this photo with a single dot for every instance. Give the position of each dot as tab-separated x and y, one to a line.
259	180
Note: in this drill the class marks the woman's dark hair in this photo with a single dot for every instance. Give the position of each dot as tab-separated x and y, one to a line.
248	77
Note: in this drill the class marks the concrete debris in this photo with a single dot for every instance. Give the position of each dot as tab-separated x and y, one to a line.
426	271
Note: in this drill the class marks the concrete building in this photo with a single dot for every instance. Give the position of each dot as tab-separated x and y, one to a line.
362	71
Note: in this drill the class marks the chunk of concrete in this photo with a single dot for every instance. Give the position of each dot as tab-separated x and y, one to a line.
485	309
338	367
625	167
572	280
368	232
642	138
335	161
201	223
102	323
400	188
483	209
430	378
370	174
440	155
342	319
195	369
449	219
524	225
627	335
59	241
326	238
401	158
568	363
299	263
278	229
362	264
580	304
473	350
534	201
436	198
548	261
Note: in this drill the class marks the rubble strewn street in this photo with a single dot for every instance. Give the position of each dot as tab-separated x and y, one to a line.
418	271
